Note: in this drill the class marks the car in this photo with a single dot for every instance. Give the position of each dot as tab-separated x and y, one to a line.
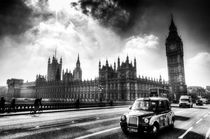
204	100
185	101
148	115
199	102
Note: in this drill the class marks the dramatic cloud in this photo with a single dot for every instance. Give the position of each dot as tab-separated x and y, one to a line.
17	16
128	16
149	41
120	15
14	17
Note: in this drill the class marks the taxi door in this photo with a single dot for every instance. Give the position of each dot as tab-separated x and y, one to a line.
163	114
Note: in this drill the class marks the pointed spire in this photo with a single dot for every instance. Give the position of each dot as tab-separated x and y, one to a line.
127	59
49	60
99	64
118	62
61	60
78	61
172	26
107	63
160	79
78	58
135	62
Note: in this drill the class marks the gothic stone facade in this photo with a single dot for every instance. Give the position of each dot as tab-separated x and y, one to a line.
18	89
175	61
121	83
114	83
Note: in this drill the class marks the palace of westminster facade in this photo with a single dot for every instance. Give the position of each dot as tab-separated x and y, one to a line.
117	83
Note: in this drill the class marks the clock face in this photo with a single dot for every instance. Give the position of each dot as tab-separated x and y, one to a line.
172	47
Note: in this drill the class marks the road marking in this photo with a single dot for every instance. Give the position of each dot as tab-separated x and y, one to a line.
97	133
205	115
207	134
182	136
199	121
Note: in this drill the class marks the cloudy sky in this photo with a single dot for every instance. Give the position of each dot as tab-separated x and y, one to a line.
31	30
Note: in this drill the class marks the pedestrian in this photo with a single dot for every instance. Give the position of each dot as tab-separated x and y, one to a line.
40	102
77	103
36	105
2	105
12	105
111	102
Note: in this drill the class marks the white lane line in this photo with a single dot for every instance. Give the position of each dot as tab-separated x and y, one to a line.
208	134
182	136
205	115
97	133
199	121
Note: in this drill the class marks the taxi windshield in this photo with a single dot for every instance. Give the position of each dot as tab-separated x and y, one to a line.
185	99
146	105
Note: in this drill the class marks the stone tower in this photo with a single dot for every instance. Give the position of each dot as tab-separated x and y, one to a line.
77	73
123	75
54	69
175	62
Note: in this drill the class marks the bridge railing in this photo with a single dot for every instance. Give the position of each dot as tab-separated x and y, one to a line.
50	106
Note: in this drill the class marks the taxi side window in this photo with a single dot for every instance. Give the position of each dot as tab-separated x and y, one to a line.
162	106
167	105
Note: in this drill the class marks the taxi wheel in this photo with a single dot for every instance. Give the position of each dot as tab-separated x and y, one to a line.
155	129
172	123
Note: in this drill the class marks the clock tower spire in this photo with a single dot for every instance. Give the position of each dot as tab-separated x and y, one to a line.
175	62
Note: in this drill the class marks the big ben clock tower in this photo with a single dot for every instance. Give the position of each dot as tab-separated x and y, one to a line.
175	62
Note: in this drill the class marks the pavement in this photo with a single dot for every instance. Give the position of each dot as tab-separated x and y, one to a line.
58	110
63	110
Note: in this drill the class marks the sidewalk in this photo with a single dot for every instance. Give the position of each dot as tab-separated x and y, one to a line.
70	109
60	110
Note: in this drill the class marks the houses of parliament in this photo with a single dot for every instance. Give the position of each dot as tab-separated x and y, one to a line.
117	83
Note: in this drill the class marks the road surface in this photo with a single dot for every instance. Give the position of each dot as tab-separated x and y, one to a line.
191	123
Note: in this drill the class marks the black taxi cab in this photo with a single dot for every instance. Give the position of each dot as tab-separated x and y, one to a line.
148	115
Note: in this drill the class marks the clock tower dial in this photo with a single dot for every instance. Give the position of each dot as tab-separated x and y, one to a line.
175	62
172	47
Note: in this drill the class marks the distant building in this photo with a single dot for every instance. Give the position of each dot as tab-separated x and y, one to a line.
175	62
77	73
196	90
118	83
3	91
54	69
121	82
14	87
18	89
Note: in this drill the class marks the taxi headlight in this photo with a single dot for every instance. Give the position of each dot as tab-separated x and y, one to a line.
146	120
123	118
